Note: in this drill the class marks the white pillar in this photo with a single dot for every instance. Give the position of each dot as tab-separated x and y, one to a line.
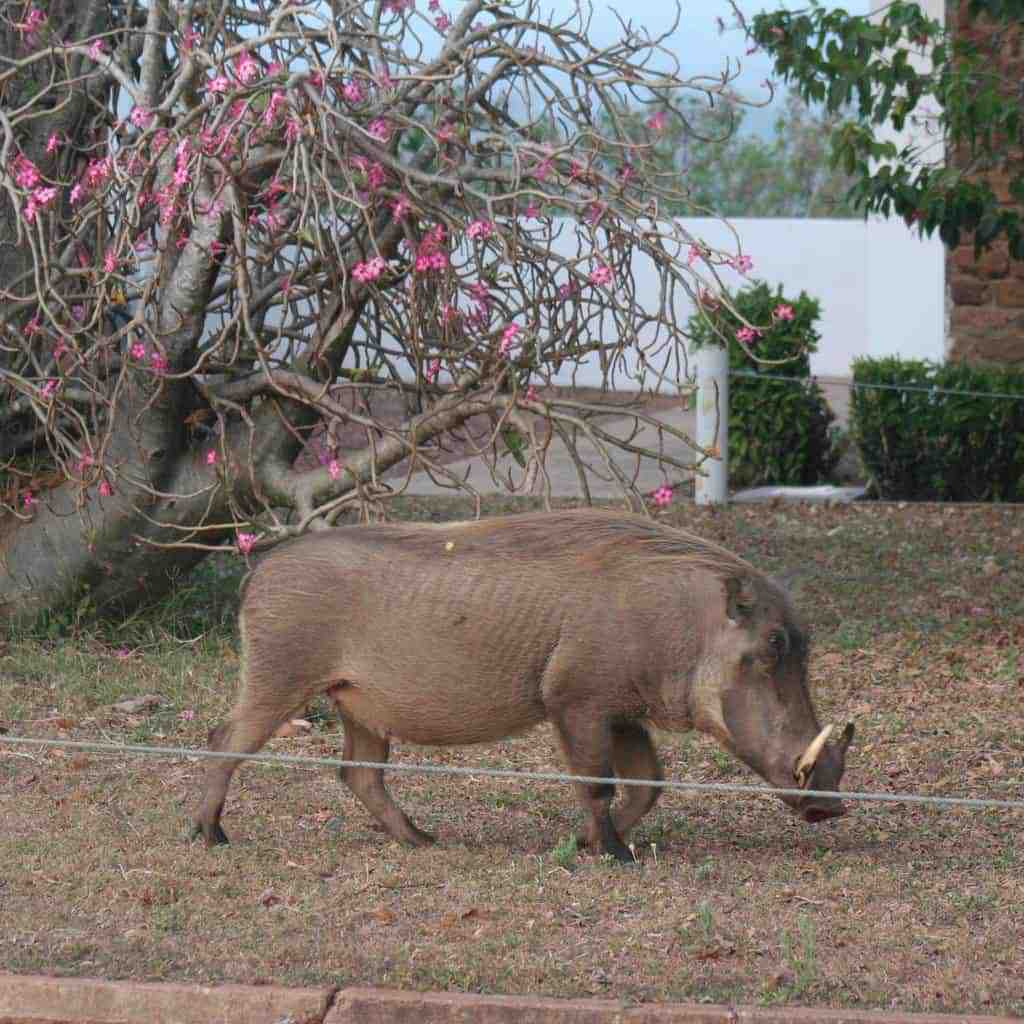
713	424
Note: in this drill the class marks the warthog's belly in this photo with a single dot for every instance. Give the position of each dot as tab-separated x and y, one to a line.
446	716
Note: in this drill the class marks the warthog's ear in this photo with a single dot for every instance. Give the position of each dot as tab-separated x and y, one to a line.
739	598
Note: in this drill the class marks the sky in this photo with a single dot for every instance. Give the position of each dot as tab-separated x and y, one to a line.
699	46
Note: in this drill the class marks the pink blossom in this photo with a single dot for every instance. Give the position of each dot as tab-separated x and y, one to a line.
98	171
105	489
542	169
657	121
663	496
400	207
97	50
434	6
33	19
531	394
140	117
277	100
384	79
783	312
532	211
380	129
375	176
353	92
85	462
747	335
508	338
59	349
31	327
567	290
187	715
246	67
334	469
29	500
430	255
218	84
26	174
443	22
480	229
626	173
432	370
369	271
78	311
211	457
53	143
110	261
594	212
159	362
49	389
576	170
189	38
245	542
601	274
138	351
292	129
76	193
742	263
693	254
397	6
445	132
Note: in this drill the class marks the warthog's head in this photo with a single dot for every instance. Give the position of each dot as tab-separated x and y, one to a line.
750	692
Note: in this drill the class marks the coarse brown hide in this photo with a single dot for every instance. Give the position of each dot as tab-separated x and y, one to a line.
599	622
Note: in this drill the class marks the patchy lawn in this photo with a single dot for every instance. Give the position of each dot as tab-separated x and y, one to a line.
918	618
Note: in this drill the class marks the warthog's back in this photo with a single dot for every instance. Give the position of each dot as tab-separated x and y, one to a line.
443	633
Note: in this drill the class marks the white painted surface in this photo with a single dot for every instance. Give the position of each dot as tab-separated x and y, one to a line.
713	424
880	286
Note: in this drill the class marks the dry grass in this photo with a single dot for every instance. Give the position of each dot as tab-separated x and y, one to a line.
918	619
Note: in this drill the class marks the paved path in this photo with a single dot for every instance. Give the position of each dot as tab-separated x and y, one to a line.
649	474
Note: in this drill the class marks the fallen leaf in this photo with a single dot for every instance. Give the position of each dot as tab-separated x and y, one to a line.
296	727
268	898
135	705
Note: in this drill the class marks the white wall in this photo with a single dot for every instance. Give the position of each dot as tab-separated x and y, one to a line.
880	286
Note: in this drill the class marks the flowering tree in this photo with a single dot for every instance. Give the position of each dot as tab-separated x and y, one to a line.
234	237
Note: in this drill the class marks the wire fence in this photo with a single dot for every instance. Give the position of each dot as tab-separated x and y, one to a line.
855	385
418	768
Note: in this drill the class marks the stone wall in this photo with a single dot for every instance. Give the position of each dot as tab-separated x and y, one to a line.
986	295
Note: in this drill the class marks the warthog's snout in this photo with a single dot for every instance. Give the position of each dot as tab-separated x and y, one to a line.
821	767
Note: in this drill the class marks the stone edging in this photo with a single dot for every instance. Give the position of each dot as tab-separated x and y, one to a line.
37	999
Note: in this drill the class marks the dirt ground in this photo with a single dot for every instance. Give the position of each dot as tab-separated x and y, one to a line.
918	621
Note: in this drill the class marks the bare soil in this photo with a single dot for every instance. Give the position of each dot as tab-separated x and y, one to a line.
918	616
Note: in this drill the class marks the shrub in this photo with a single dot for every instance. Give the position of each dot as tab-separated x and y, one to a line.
926	444
780	432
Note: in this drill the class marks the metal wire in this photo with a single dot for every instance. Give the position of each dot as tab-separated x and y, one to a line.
857	385
510	773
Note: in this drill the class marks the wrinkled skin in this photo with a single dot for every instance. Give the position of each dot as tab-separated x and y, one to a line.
600	623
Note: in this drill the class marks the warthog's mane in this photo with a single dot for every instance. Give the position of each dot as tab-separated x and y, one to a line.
627	539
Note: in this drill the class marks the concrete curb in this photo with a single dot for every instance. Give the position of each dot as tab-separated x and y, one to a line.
37	999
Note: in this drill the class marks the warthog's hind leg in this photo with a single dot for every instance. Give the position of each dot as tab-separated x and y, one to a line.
368	783
242	733
634	757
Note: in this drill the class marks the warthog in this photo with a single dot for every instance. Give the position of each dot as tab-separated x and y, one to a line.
601	623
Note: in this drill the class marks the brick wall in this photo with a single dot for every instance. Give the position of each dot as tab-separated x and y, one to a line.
986	295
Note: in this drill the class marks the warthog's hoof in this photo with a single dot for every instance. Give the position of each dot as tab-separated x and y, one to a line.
213	835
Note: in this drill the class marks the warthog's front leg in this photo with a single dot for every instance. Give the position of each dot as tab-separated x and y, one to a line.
586	738
634	757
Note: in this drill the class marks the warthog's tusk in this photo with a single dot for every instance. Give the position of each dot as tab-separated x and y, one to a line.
806	763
